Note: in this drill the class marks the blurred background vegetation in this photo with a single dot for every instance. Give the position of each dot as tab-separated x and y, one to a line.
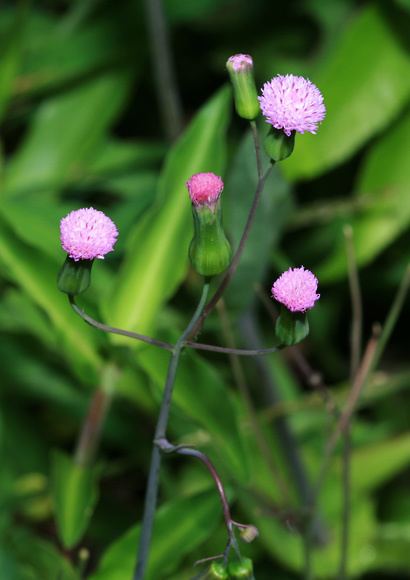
81	126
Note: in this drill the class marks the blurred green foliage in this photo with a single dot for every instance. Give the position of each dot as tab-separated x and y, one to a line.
80	126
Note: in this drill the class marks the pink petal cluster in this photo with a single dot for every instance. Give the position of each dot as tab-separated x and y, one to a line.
87	234
240	62
204	188
296	289
292	103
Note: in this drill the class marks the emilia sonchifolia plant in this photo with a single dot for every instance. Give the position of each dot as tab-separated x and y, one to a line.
290	104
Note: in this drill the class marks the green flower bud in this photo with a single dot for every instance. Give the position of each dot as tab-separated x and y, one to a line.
210	251
291	327
241	569
278	145
74	276
240	68
218	571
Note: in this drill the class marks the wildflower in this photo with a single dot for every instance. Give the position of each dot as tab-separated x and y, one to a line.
292	103
296	289
209	252
87	234
205	189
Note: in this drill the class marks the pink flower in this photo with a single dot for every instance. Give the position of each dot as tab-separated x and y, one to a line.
240	62
87	234
296	289
292	103
204	188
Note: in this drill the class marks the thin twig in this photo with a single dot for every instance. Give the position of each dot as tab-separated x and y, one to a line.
90	434
356	300
167	447
166	86
355	356
166	345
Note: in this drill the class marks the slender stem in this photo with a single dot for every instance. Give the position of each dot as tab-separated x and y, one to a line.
355	356
112	330
160	433
234	351
245	234
90	433
166	86
356	300
166	345
257	145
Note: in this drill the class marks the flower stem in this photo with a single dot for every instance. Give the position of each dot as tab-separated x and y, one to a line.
355	356
262	177
160	433
166	345
166	86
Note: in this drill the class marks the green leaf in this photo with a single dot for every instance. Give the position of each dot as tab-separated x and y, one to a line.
75	494
64	133
36	274
385	180
10	50
180	526
157	255
376	464
286	545
365	85
27	557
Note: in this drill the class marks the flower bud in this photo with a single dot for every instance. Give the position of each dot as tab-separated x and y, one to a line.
240	69
210	251
218	571
296	291
86	234
278	145
74	276
241	569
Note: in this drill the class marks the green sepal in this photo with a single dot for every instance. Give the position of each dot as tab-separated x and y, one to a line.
278	145
241	569
291	327
218	571
74	276
210	251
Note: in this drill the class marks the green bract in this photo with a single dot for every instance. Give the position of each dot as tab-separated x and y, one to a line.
210	251
74	276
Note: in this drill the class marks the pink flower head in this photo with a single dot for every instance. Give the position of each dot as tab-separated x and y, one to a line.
240	62
87	234
204	188
296	289
292	103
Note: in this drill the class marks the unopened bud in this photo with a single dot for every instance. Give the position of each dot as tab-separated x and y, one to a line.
210	251
218	571
241	570
240	68
249	533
